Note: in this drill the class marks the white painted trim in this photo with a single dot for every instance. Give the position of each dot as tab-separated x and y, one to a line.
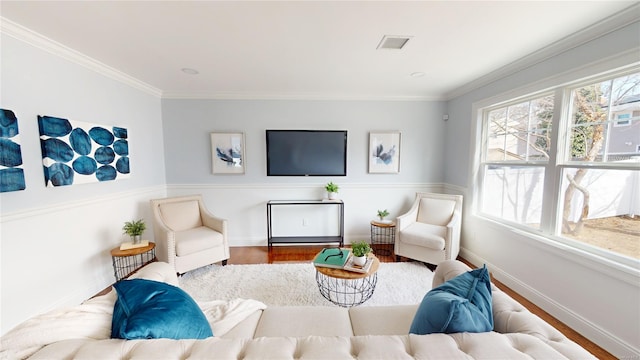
42	42
431	186
50	209
590	33
583	326
624	272
294	96
606	65
597	30
51	46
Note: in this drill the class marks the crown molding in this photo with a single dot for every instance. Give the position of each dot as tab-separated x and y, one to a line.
612	23
41	42
300	96
592	32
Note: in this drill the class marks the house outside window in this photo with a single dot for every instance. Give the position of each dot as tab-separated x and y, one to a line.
565	164
516	152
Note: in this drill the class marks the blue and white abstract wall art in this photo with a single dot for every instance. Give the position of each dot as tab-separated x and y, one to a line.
384	152
11	171
227	152
75	152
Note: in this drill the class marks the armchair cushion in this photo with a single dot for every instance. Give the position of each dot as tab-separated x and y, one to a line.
462	304
179	216
147	309
435	211
198	239
425	235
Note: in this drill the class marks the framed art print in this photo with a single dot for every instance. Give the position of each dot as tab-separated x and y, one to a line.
384	152
11	168
227	152
77	152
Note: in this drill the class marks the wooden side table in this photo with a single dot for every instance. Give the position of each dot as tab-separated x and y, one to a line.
347	288
384	235
126	262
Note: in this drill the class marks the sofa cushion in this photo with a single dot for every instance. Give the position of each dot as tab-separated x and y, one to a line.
147	309
462	304
181	215
435	211
300	321
196	240
382	320
425	235
157	271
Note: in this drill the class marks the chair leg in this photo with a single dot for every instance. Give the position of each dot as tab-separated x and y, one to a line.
224	262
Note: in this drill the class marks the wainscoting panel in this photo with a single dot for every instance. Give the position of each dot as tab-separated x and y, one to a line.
245	206
59	255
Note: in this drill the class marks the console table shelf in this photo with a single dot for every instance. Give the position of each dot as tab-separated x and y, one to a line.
304	239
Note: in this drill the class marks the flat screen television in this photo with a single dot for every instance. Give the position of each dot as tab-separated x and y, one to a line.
306	152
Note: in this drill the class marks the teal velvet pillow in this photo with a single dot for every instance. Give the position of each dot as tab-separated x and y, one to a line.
148	309
462	304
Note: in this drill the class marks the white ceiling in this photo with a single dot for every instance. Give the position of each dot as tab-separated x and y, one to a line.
306	49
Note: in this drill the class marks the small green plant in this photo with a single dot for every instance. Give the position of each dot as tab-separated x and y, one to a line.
134	227
382	214
331	187
360	248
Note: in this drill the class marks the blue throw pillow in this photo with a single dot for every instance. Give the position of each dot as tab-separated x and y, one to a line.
462	304
148	309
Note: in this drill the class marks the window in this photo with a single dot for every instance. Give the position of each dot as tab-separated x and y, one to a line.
574	178
623	120
516	150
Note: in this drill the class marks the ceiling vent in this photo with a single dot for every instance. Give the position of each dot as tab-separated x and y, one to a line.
393	42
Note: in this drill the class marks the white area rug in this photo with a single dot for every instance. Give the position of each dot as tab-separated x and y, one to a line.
295	284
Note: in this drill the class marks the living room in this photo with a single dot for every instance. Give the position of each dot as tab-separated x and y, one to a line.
58	239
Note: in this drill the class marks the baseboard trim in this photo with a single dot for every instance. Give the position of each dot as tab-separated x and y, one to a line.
586	328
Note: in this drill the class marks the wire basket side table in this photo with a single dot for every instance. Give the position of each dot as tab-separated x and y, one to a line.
383	236
126	262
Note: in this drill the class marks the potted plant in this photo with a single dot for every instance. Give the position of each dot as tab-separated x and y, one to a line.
382	214
134	228
360	249
332	190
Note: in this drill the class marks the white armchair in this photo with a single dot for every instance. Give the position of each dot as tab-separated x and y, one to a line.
430	230
187	235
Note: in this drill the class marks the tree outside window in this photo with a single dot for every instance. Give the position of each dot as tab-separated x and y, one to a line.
596	173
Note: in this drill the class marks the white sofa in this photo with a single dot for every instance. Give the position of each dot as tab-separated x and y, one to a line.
326	332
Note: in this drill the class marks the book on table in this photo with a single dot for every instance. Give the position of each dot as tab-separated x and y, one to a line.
332	258
350	266
130	245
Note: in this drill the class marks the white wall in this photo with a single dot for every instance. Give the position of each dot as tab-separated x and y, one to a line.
590	294
55	242
242	198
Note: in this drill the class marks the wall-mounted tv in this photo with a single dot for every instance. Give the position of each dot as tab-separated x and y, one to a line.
306	152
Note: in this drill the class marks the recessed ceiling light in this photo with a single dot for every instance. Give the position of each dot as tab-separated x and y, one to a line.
418	74
190	71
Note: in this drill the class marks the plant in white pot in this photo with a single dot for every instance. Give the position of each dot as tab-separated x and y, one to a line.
332	190
360	249
134	229
382	214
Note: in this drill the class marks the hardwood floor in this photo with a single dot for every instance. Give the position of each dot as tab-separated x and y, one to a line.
279	254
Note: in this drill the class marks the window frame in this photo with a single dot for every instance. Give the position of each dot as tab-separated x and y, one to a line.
555	165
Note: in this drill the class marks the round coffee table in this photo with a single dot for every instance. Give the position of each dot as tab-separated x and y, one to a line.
347	288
